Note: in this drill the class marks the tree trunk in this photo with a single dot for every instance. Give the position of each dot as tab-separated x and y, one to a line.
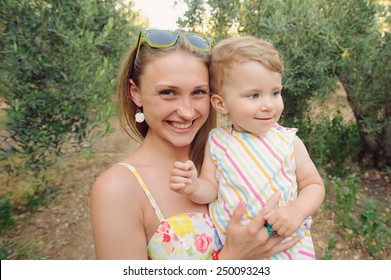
375	148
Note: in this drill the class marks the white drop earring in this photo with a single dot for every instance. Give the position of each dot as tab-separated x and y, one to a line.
139	116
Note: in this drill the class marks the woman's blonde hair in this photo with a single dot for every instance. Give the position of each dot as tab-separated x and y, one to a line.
232	51
127	109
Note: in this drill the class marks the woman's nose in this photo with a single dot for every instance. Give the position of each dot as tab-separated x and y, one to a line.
186	108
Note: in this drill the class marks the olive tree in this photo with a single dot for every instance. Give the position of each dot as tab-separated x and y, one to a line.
58	65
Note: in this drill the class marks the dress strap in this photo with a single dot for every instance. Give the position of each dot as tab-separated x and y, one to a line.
159	213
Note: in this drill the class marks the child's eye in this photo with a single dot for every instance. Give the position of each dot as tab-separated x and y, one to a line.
276	93
254	96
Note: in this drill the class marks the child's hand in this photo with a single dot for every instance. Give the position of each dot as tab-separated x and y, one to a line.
183	177
285	219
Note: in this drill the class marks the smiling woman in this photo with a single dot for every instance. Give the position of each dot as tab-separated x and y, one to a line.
134	214
161	14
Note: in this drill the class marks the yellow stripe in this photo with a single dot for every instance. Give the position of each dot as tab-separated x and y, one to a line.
281	137
256	162
212	213
238	196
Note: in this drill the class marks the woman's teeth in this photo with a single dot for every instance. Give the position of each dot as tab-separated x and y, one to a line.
181	125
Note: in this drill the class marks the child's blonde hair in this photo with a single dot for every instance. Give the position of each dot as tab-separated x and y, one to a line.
232	51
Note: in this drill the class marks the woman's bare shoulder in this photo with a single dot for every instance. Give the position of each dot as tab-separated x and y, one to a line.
115	183
117	203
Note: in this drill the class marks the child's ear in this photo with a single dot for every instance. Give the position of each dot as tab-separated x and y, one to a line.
134	93
218	103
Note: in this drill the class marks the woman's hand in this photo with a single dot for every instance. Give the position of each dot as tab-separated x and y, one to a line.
252	241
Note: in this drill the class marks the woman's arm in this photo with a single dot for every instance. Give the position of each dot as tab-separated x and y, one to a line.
116	217
252	241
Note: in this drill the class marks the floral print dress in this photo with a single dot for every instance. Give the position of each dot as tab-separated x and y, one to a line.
183	236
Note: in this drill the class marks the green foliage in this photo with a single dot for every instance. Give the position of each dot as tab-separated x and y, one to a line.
332	144
369	224
328	255
375	229
59	61
6	219
3	252
298	31
19	250
321	42
41	197
345	202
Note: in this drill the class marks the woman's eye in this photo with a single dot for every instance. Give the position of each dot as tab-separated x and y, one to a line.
200	92
253	96
167	92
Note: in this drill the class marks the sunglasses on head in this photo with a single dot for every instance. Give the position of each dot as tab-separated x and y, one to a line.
161	39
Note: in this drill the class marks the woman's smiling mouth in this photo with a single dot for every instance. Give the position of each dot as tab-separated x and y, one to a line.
180	125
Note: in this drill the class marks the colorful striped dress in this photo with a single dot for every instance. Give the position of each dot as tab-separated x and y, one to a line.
252	168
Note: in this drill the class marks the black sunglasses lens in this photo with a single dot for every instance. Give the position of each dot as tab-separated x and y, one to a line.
198	42
160	38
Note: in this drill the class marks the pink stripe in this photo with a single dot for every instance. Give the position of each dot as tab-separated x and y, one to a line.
226	209
306	254
224	202
217	144
277	157
241	175
289	255
245	180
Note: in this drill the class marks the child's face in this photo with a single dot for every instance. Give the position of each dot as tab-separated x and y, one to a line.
252	97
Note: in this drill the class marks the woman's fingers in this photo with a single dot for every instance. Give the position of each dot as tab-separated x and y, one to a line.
283	246
238	213
271	203
269	215
259	220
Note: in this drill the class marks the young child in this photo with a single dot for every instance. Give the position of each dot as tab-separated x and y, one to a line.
253	157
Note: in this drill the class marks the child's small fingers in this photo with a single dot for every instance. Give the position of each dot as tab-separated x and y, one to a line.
277	225
180	180
269	215
189	164
180	173
284	232
272	219
271	203
180	165
177	186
